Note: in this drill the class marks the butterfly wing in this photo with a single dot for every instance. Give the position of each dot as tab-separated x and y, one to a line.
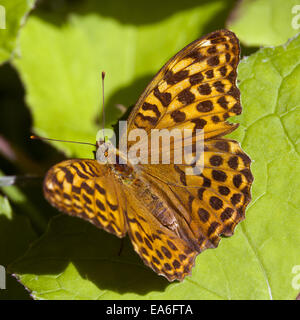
86	189
194	90
214	201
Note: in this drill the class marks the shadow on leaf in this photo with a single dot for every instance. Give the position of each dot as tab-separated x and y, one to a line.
130	12
95	255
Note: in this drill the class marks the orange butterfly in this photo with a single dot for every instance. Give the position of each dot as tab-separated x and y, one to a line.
170	217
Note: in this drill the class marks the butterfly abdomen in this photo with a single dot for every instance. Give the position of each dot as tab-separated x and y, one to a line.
154	203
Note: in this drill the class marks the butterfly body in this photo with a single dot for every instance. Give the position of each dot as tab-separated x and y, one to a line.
154	202
123	172
170	216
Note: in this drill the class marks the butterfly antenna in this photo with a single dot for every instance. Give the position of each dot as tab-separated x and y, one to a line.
103	112
50	139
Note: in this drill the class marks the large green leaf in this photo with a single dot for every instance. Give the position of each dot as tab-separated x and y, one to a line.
75	260
62	58
265	22
12	15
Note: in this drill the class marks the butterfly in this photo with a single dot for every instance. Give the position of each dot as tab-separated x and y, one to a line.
170	216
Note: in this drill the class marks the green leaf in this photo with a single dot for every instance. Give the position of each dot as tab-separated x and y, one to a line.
12	18
75	260
265	22
62	77
16	235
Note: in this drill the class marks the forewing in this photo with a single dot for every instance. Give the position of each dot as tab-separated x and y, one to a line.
86	189
196	89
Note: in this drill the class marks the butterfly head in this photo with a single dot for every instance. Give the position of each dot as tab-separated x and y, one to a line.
105	152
